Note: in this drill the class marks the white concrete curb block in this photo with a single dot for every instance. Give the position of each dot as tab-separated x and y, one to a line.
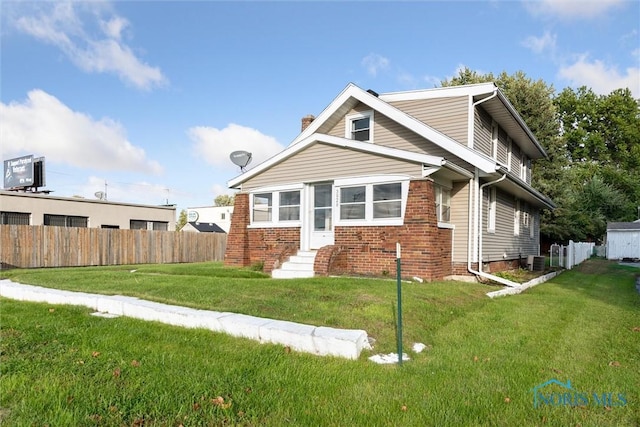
529	284
322	341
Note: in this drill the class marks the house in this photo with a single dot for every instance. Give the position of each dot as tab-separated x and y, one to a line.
202	227
217	215
29	208
623	240
445	172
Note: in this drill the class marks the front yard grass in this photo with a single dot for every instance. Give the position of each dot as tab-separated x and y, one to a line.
60	366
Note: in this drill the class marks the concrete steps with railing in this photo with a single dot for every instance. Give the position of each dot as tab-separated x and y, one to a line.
297	266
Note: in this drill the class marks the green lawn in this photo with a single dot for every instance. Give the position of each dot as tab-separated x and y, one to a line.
62	367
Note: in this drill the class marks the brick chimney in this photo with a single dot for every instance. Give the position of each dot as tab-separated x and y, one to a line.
306	121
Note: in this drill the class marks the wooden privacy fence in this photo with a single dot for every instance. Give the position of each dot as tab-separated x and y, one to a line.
33	246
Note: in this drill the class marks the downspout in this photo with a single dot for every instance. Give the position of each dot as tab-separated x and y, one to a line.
479	272
474	191
477	207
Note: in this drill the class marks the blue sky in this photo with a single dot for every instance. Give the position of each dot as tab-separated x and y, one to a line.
151	97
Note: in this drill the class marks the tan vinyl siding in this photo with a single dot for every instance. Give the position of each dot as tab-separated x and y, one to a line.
502	146
389	133
460	218
446	115
516	159
482	132
322	162
503	241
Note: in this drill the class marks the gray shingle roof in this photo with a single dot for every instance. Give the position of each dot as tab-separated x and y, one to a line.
623	225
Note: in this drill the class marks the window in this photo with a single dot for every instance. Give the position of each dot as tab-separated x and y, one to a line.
443	203
278	206
160	226
15	218
532	225
363	202
137	224
222	216
352	202
289	206
322	207
509	151
523	167
494	140
516	218
491	217
262	205
359	127
65	220
387	200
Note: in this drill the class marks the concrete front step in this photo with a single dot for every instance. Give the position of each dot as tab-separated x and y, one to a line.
291	274
297	266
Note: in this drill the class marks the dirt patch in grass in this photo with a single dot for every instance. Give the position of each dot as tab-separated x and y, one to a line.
594	266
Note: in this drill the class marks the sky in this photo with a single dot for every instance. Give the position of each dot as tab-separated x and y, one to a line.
145	100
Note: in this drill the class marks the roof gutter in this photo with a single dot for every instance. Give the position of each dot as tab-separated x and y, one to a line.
479	272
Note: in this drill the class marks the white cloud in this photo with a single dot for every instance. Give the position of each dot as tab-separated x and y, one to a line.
43	125
601	77
58	24
375	63
215	145
127	192
546	42
571	9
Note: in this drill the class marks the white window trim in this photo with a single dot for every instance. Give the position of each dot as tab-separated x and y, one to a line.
495	137
446	225
532	225
509	152
275	206
360	115
516	218
439	188
368	183
492	207
523	167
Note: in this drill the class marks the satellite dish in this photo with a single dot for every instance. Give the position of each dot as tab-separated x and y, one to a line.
240	158
99	195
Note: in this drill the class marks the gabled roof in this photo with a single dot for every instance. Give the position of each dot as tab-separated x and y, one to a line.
352	95
498	106
207	227
312	139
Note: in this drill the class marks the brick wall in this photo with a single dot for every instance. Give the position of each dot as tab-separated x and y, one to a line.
361	250
247	246
371	250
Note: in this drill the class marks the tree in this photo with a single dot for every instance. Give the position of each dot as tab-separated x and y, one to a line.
182	220
601	136
533	99
224	200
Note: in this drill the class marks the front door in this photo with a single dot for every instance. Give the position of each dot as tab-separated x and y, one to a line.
321	215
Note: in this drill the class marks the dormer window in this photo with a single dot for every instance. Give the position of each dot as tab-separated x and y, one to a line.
359	127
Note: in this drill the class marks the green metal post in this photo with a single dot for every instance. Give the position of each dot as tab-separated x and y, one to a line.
398	274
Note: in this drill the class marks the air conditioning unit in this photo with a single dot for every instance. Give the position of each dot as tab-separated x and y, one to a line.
535	263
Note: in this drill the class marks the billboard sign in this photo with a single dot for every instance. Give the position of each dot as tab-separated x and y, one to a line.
18	172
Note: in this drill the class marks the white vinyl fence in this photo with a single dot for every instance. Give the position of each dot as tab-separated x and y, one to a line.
570	255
